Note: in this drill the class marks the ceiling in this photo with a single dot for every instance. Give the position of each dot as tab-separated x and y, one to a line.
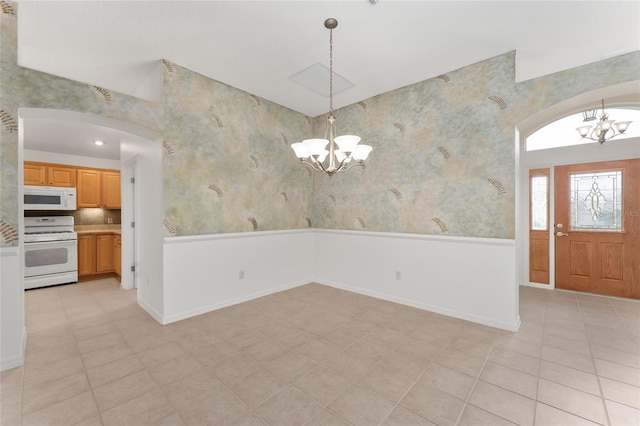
72	137
257	46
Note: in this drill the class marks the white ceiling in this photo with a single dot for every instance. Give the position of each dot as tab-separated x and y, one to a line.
72	137
257	46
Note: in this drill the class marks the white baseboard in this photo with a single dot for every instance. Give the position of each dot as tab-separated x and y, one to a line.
12	362
230	302
427	307
17	360
538	285
152	312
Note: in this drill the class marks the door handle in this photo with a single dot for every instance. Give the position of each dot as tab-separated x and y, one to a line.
561	234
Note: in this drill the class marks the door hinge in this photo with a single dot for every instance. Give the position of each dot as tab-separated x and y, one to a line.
133	268
133	224
133	180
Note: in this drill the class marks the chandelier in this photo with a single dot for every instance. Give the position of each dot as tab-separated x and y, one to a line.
600	131
342	149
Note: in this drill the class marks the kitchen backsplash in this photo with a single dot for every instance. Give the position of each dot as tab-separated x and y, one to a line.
84	216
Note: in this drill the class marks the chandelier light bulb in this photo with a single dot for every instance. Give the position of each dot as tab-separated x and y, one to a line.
622	126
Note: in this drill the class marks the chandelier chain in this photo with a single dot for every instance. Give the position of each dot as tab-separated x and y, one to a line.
337	151
331	71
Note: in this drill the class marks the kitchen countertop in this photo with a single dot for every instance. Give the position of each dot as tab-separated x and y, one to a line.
97	229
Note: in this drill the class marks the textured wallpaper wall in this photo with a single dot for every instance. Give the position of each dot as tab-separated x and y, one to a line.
443	159
442	162
228	166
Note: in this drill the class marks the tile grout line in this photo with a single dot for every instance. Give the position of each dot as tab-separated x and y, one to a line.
417	379
351	383
175	410
544	320
473	388
595	368
357	379
93	395
577	301
68	323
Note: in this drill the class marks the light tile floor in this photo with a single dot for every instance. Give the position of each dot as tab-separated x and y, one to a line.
315	355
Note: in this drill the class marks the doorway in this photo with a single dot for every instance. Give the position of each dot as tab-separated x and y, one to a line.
543	163
597	228
143	149
130	185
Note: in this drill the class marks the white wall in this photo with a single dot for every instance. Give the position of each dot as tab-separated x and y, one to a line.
13	333
12	326
468	278
202	273
148	217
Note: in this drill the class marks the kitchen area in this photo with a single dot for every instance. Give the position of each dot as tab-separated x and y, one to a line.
72	224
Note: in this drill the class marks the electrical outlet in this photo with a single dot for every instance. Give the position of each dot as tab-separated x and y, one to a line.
241	275
398	275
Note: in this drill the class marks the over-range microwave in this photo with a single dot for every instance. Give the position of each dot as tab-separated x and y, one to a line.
49	198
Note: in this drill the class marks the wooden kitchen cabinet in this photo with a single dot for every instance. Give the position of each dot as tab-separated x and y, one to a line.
34	174
97	188
61	176
86	255
111	190
117	255
104	253
88	190
45	174
97	254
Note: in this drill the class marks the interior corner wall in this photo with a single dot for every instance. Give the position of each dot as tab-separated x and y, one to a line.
443	159
463	277
442	162
209	272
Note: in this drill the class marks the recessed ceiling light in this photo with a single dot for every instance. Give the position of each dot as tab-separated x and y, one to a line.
99	143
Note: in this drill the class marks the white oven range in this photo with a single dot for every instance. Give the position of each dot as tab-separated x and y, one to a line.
50	251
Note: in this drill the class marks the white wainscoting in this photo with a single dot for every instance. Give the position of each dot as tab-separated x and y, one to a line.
13	333
202	273
468	278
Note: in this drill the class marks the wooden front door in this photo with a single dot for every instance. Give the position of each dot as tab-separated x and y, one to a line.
597	228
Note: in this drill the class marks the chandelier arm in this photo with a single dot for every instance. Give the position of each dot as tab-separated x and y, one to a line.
342	164
359	163
306	163
602	139
320	167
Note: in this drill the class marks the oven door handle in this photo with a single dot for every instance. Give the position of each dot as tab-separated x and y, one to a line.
49	243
